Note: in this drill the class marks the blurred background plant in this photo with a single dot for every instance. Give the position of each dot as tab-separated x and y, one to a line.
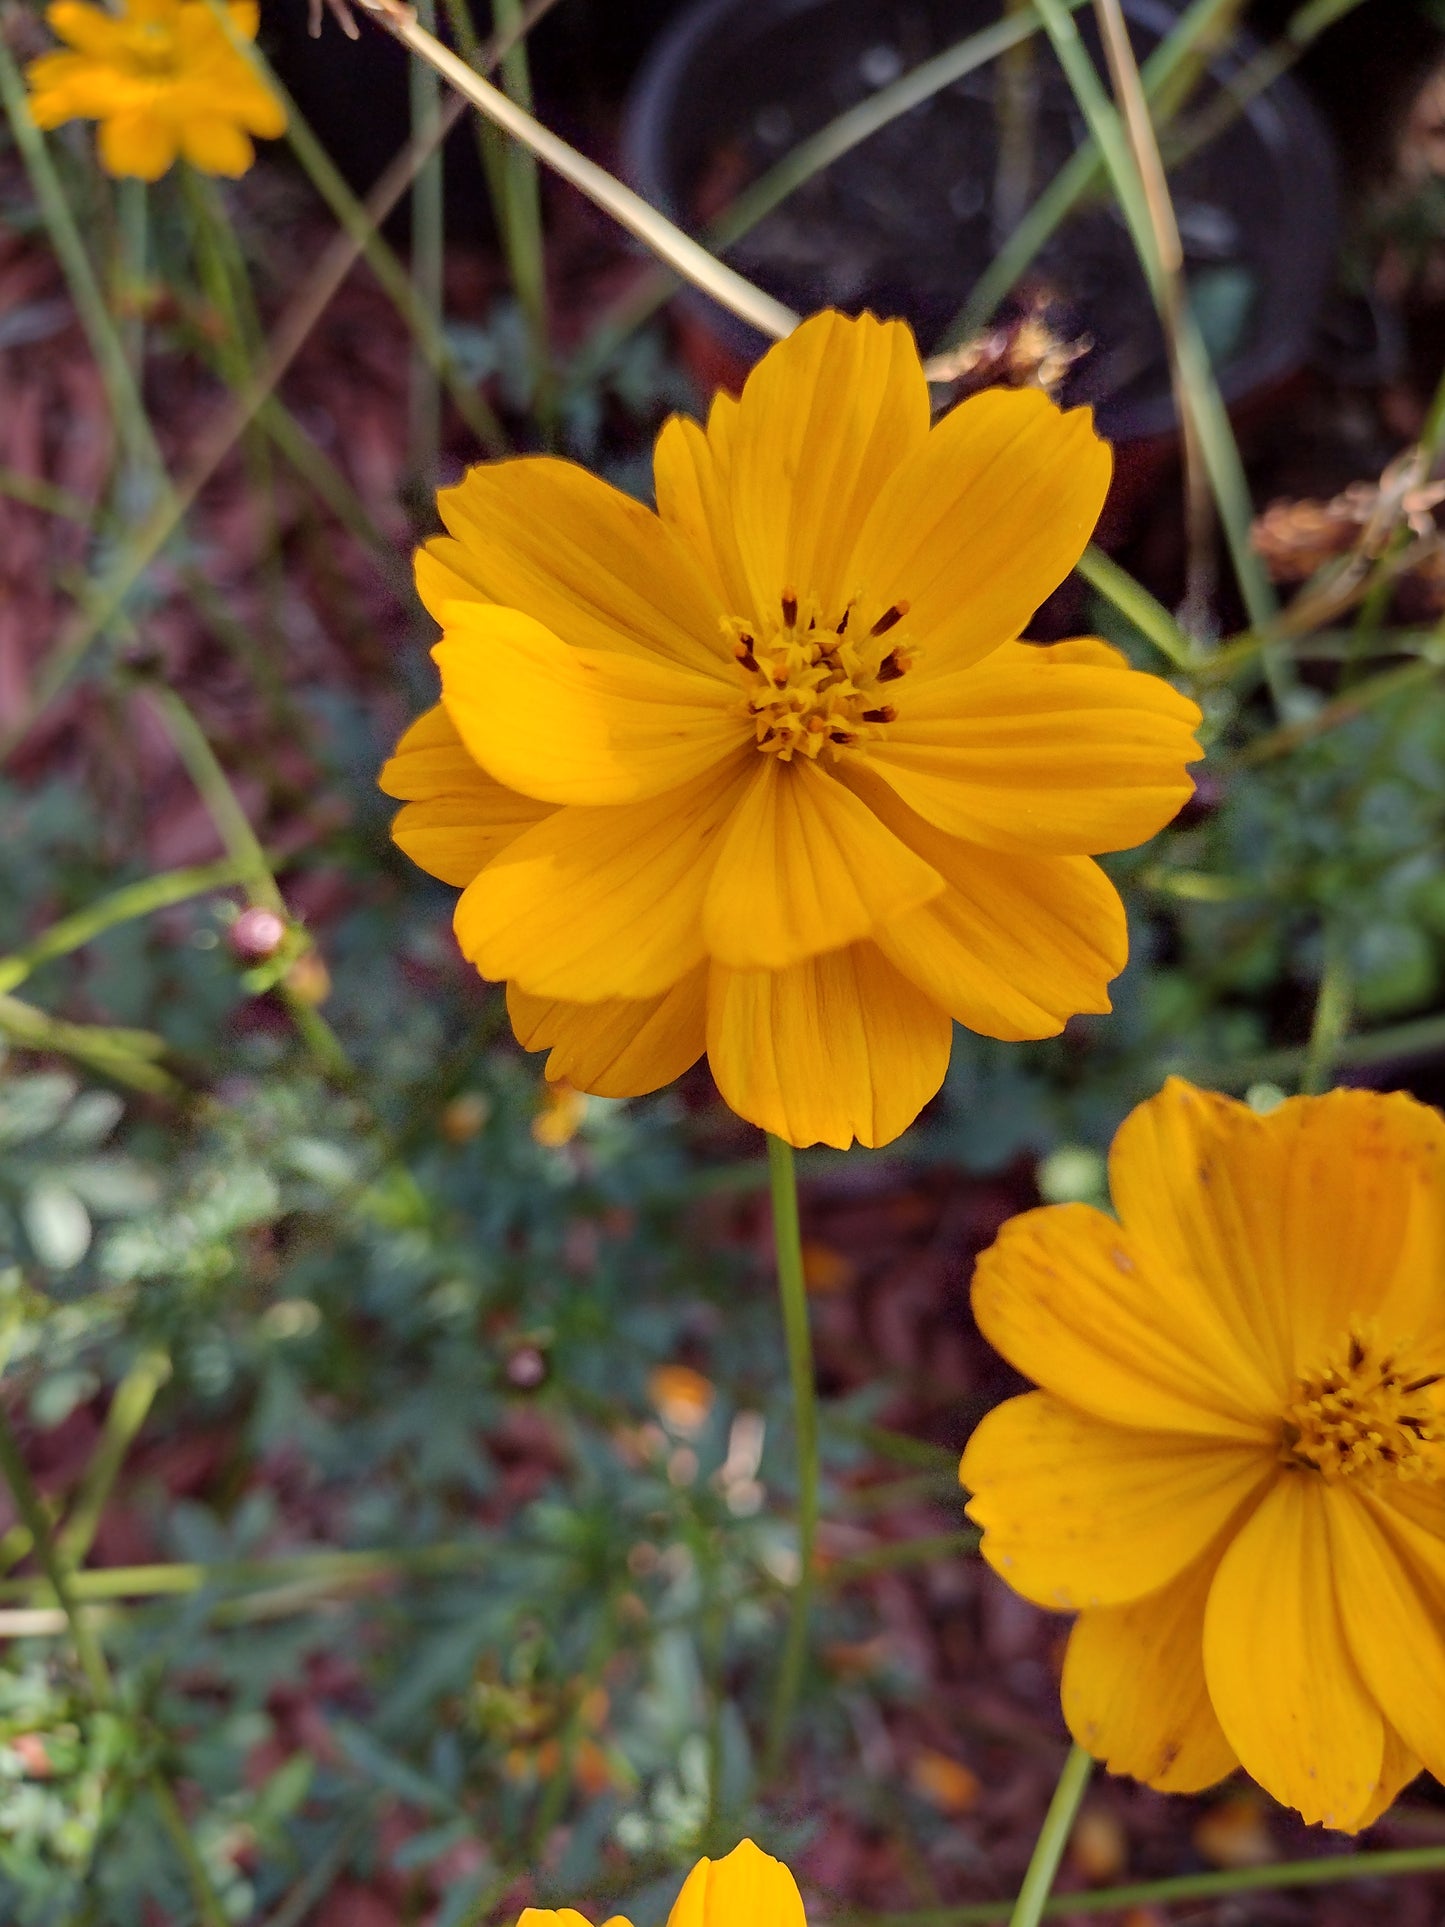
401	1520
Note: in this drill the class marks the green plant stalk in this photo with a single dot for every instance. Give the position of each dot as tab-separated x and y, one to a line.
129	1408
1219	450
127	1056
1377	597
1344	708
801	163
793	1296
629	210
1133	601
901	1553
1053	1838
1167	72
101	334
133	272
428	260
125	905
514	189
1183	1887
1331	1018
244	847
45	496
359	226
181	1579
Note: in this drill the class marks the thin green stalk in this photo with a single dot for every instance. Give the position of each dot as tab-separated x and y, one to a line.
901	1553
802	163
793	1295
428	242
33	1514
129	1408
1053	1838
514	188
131	901
127	1056
329	1567
1133	601
1325	1872
242	844
1421	1037
1218	447
1376	600
45	496
664	238
90	304
1331	1018
1167	73
358	224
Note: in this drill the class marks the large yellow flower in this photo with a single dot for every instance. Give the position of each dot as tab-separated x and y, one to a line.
162	78
746	1888
766	773
1235	1472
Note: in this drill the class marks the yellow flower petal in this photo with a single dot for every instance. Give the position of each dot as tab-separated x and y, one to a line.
1390	1581
90	30
1280	1673
1071	1300
826	419
1027	751
837	1048
458	817
590	564
1015	945
139	146
217	147
690	468
805	867
1078	1513
746	1888
578	725
563	1917
984	521
1295	1223
1133	1687
617	1048
600	903
1400	1767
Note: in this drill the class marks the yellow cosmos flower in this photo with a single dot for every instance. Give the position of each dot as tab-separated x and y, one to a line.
162	78
767	773
746	1888
1235	1471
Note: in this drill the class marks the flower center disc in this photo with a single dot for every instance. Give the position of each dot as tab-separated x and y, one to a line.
814	685
1365	1413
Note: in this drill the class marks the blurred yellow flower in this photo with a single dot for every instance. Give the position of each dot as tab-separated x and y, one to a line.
560	1111
767	773
1235	1470
162	78
746	1888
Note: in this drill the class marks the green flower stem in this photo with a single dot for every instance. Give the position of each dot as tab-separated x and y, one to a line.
125	905
629	210
802	163
131	1403
1184	1887
359	225
1331	1018
793	1294
1132	600
128	1056
1220	452
242	845
1053	1837
900	1553
181	1579
31	1508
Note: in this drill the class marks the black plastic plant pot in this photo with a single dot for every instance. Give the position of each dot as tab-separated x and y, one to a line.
906	222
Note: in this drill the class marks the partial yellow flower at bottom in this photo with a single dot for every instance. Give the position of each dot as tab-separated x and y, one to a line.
162	78
1235	1470
767	773
746	1888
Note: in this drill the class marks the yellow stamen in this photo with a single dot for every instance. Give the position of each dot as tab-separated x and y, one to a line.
811	690
1365	1414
